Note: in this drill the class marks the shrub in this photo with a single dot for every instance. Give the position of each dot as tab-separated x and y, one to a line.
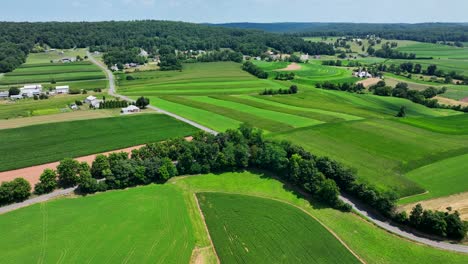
48	182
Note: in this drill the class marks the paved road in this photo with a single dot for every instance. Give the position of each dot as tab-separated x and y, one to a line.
359	209
113	92
38	199
396	230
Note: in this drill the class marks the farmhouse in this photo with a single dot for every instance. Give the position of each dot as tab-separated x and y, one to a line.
31	90
95	103
130	109
362	74
89	99
143	53
62	89
68	60
304	57
4	94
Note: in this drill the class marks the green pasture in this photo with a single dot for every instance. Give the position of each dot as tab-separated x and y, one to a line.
371	243
30	107
442	178
247	229
43	57
38	144
139	225
457	124
435	50
382	151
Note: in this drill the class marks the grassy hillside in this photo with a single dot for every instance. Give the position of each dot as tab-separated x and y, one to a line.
248	229
39	144
140	225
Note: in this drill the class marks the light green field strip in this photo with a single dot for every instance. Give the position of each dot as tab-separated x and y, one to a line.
48	77
149	224
206	118
193	92
292	120
260	122
319	111
442	178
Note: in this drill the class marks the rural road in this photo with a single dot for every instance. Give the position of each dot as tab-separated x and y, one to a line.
113	92
356	207
396	230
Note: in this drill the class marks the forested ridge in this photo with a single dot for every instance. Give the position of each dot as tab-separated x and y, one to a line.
17	39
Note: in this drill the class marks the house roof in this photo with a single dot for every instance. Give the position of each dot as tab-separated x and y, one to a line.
131	107
63	87
32	86
91	98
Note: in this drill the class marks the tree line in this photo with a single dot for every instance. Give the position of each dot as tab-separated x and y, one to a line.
18	39
253	69
348	87
293	89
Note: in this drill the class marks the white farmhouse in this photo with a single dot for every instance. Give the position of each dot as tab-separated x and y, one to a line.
130	109
89	99
304	57
362	74
62	89
31	90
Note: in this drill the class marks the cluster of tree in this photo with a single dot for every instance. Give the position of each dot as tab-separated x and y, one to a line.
401	90
142	102
14	191
121	56
19	38
338	63
285	76
431	70
349	87
108	104
223	55
253	69
42	96
445	224
424	32
169	62
292	90
388	52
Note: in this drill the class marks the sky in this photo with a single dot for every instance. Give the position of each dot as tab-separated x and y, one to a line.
222	11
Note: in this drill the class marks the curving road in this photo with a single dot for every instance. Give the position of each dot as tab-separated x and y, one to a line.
383	224
113	92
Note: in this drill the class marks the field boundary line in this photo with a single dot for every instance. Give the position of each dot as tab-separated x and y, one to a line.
206	227
303	210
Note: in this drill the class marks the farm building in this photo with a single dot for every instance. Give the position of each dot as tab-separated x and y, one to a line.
68	60
62	89
89	99
4	94
362	74
304	57
31	90
130	109
95	103
143	53
16	97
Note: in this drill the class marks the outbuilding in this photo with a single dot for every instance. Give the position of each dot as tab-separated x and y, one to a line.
62	89
130	109
89	99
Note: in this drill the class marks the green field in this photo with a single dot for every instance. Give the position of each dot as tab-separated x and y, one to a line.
348	127
442	178
161	224
139	225
248	229
33	145
435	50
369	242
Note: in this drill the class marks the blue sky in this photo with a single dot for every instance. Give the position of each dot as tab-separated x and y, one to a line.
214	11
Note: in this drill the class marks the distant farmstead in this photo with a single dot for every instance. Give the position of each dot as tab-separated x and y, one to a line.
130	109
31	90
363	74
62	89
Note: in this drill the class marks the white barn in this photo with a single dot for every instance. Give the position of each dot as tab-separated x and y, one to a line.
130	109
31	89
62	89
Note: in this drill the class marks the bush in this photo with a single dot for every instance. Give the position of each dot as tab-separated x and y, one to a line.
48	182
14	191
74	91
142	102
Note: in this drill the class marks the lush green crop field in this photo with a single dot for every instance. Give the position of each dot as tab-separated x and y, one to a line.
139	225
39	144
442	178
372	244
435	50
457	124
248	229
382	151
36	58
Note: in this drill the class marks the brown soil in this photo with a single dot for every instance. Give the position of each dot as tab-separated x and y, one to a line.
291	67
464	100
447	101
458	202
369	81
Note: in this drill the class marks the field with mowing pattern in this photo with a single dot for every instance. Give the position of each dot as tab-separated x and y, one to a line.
139	225
38	144
349	127
247	229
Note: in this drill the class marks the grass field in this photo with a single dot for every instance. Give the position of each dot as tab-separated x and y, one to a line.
442	178
248	229
435	50
139	225
33	145
30	107
345	126
369	242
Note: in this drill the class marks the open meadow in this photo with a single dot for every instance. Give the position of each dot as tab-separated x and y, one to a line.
38	144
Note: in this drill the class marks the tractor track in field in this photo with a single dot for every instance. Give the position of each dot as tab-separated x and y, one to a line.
112	92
